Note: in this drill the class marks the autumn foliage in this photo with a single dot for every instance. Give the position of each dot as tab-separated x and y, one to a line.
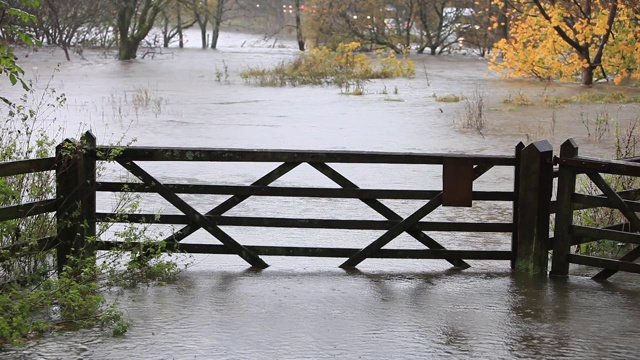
568	40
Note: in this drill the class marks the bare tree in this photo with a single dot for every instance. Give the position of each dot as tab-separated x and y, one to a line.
201	14
67	23
440	24
218	17
173	24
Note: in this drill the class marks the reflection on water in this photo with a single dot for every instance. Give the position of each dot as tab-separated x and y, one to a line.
328	313
308	308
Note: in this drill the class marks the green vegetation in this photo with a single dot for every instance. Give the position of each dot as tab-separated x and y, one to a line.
595	97
626	143
344	67
34	299
449	98
520	99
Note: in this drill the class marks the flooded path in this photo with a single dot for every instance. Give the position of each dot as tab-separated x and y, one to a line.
308	308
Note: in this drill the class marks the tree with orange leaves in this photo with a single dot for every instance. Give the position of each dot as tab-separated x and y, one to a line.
569	39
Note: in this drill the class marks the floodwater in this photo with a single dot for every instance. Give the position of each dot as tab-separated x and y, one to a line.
305	308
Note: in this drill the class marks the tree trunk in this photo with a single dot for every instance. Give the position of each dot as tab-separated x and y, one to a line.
203	35
180	35
587	75
587	69
299	36
215	34
127	49
66	52
165	34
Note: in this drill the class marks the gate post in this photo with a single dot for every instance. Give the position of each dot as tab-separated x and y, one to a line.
534	202
75	201
564	213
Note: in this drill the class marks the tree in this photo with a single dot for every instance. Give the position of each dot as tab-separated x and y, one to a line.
569	39
367	22
67	22
12	22
299	36
201	15
221	7
439	25
173	24
135	20
486	26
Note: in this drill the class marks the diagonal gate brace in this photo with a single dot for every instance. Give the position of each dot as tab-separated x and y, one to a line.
193	215
408	225
231	202
385	211
626	211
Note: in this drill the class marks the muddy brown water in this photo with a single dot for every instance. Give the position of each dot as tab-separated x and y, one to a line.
302	308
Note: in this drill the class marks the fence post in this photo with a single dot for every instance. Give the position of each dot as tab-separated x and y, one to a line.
67	201
534	201
75	200
564	212
516	203
88	193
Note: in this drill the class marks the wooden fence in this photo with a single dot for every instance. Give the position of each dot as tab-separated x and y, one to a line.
76	215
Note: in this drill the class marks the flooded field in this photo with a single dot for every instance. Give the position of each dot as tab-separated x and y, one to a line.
302	308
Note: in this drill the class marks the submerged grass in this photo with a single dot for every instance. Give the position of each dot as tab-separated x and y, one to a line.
594	97
343	67
449	98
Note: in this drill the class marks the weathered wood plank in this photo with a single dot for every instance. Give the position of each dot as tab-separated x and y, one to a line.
281	191
194	215
612	265
628	257
617	167
27	209
536	182
87	173
582	201
305	223
332	252
516	202
277	156
68	200
622	227
20	167
615	198
564	215
233	201
580	232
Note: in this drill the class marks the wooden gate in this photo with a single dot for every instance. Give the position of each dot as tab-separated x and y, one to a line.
567	234
459	172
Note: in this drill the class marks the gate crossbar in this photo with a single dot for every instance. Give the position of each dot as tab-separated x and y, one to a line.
194	215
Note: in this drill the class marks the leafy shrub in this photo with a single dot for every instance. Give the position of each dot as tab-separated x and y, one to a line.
342	67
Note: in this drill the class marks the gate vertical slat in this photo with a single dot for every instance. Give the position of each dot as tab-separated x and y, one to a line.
516	186
564	213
